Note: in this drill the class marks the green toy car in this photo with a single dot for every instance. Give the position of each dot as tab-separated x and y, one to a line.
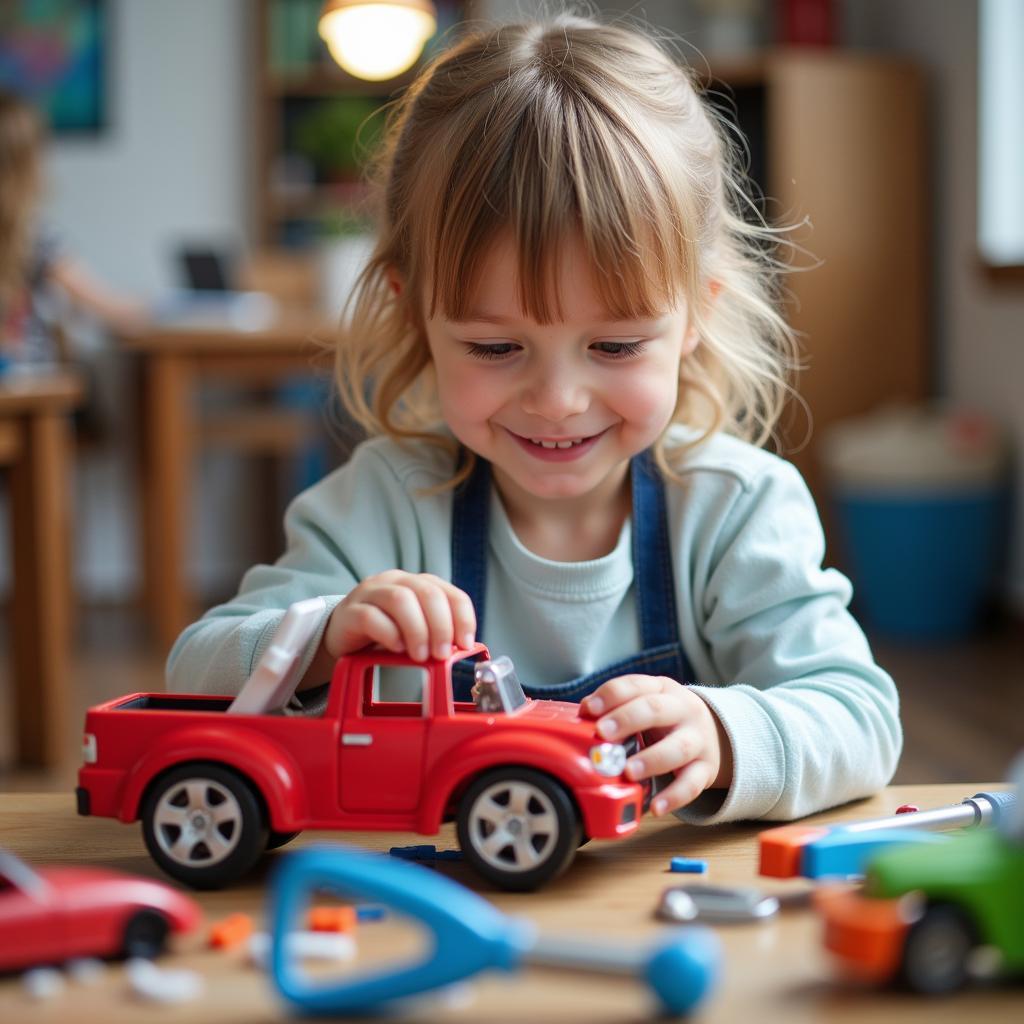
935	916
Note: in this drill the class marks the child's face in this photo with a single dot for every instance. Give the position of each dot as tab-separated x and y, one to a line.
506	382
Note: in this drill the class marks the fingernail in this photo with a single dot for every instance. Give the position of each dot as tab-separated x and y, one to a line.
595	705
660	806
419	653
444	650
607	727
635	768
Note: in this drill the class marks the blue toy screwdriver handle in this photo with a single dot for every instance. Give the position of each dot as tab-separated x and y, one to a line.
681	967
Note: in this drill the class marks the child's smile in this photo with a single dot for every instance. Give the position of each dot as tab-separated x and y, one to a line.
558	449
557	408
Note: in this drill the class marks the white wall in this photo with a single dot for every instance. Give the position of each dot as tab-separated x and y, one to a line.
169	166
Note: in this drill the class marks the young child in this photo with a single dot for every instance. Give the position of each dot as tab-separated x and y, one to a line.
31	260
567	343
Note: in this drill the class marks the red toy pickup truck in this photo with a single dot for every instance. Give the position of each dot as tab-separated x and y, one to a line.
216	781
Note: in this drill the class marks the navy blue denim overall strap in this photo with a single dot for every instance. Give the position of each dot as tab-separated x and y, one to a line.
661	652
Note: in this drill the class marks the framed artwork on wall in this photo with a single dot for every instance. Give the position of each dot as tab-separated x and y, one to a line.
53	53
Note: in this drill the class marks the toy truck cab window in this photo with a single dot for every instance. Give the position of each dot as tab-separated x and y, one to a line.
496	687
396	691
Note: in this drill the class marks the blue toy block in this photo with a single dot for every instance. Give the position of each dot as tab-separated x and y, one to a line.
688	865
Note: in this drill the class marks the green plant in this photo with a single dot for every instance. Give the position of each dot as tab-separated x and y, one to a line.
339	135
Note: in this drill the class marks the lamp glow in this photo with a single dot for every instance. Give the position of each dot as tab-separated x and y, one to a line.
376	41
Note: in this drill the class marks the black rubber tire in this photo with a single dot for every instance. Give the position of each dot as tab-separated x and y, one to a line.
569	830
936	951
275	840
145	934
248	845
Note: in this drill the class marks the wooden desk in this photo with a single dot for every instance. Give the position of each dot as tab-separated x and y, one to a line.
176	361
35	448
772	972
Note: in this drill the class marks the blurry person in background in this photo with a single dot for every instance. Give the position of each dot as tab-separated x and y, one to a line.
34	270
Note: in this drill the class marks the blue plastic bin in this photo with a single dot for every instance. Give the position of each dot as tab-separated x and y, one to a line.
921	495
922	565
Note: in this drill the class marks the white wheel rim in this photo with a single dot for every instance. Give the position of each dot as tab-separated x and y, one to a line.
513	826
197	822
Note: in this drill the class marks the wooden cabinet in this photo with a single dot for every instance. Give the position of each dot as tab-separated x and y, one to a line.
838	137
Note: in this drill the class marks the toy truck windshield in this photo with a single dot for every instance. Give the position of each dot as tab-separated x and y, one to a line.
496	687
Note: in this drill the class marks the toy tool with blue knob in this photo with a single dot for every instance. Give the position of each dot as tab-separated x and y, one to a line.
468	936
826	851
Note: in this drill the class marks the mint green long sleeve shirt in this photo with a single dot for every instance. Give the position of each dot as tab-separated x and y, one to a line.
812	720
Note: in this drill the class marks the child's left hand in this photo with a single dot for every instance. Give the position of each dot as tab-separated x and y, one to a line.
682	735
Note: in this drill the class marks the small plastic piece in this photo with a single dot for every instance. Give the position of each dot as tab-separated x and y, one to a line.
907	808
232	931
688	865
303	946
371	912
425	852
716	904
43	982
85	970
162	986
332	919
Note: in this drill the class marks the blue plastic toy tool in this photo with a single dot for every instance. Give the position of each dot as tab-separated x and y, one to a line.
469	936
842	853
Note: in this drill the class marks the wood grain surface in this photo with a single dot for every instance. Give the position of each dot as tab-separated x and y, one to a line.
773	971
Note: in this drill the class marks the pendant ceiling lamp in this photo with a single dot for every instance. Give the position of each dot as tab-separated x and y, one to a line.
377	40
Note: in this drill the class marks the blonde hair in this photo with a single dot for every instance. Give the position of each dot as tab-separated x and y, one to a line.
559	129
21	141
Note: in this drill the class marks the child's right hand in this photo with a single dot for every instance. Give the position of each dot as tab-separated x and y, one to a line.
414	612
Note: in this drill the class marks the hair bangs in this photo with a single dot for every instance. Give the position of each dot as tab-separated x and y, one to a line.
566	171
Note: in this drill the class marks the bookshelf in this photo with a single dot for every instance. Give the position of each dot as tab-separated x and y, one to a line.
312	121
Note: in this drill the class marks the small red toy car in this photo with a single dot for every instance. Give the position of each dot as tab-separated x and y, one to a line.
216	781
49	915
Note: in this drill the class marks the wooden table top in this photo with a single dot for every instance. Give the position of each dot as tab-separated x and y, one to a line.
284	333
22	391
774	971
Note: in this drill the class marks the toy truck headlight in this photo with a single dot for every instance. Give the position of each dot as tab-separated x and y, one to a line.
608	758
89	751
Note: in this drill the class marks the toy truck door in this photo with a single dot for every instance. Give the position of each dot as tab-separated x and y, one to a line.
384	726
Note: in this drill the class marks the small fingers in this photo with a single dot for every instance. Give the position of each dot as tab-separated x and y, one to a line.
669	754
429	614
435	605
363	624
688	784
405	609
462	613
617	691
653	710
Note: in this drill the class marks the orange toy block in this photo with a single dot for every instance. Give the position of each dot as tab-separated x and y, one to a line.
332	919
232	931
782	848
